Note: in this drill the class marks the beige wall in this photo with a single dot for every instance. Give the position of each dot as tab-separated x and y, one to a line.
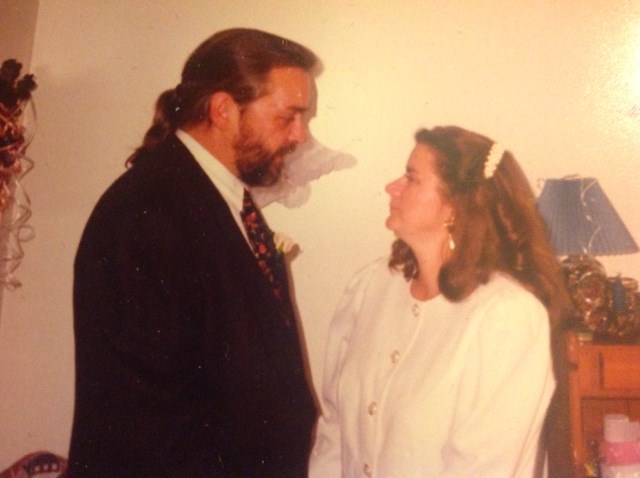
17	27
558	83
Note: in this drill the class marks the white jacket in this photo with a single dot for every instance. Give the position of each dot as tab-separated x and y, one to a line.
433	389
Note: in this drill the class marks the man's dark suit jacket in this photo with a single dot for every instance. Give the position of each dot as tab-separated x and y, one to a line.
184	364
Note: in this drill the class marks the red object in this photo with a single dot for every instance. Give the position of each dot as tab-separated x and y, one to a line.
34	464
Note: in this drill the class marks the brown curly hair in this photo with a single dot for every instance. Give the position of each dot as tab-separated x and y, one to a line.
497	226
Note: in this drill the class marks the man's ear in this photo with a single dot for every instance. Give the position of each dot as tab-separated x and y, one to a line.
222	109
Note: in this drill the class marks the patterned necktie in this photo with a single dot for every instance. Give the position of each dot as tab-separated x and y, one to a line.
261	239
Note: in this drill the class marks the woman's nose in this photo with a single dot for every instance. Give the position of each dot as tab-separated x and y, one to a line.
393	187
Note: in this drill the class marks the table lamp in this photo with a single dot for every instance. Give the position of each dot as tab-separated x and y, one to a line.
582	223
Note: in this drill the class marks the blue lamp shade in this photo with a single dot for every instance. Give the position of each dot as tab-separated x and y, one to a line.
581	220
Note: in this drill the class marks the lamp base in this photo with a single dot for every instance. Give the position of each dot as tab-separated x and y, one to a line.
623	319
587	285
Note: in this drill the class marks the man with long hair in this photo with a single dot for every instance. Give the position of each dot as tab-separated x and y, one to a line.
188	360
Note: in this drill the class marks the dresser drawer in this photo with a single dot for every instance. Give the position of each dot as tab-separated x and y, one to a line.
620	368
594	380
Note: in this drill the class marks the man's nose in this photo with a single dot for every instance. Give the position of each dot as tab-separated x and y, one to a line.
299	131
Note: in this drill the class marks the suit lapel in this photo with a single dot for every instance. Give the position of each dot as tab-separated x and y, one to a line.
209	208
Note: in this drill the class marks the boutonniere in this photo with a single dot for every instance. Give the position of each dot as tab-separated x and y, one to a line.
285	245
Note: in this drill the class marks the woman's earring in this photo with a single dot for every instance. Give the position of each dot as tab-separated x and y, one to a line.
449	225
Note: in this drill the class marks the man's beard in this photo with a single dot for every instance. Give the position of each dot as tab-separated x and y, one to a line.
256	165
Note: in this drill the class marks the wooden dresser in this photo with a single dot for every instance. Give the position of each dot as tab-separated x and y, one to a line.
594	379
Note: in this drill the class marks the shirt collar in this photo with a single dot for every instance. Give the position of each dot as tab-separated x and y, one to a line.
231	188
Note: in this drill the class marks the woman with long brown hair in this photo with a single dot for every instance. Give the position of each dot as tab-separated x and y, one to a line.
439	357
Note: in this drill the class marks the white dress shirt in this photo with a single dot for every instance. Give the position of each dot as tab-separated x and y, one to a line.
433	389
229	186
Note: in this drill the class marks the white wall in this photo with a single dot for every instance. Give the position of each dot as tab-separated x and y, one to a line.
558	83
